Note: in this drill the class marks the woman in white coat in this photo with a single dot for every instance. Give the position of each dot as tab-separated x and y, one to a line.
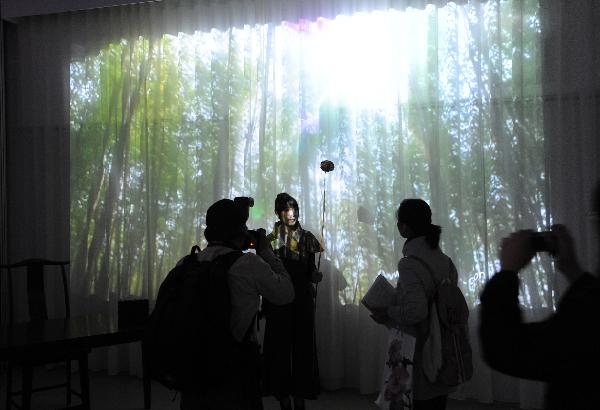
415	290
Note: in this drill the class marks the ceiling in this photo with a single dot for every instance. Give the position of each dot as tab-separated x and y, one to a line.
11	9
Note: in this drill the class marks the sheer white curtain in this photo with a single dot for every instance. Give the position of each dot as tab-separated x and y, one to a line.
151	128
571	113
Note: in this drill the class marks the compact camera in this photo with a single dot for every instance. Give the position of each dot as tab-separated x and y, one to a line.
244	203
251	239
544	242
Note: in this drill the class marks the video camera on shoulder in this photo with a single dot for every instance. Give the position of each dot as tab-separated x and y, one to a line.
244	203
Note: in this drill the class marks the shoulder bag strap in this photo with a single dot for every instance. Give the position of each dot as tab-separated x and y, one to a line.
228	259
427	267
451	268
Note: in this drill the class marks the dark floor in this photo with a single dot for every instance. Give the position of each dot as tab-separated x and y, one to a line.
122	392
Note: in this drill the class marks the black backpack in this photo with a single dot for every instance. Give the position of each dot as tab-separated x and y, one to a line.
188	341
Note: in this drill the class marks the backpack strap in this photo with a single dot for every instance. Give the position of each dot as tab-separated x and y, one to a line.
228	259
428	269
431	274
225	262
430	331
424	329
452	268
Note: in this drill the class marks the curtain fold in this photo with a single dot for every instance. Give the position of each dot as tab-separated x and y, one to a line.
3	190
125	124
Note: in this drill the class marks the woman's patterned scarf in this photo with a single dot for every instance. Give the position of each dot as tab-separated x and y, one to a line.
298	245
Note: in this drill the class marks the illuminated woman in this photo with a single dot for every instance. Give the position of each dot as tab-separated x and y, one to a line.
289	344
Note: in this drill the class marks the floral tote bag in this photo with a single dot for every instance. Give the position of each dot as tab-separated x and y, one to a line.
396	386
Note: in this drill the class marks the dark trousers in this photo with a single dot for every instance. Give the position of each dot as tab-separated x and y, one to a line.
291	367
437	403
241	390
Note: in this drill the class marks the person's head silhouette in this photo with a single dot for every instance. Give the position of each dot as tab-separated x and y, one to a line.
226	223
414	219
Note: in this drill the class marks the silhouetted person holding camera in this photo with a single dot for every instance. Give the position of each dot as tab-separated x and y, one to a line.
289	342
563	350
248	277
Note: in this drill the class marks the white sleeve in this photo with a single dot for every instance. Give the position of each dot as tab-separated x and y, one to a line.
271	279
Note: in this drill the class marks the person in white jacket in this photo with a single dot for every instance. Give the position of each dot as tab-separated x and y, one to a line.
249	277
415	290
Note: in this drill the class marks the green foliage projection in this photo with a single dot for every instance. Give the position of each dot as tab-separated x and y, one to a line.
443	104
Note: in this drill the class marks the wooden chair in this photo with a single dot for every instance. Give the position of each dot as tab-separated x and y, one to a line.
36	300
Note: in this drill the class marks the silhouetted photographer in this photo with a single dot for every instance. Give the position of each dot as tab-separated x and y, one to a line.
202	338
563	350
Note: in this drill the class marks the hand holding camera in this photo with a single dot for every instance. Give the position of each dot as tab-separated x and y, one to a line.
545	241
256	239
260	239
517	250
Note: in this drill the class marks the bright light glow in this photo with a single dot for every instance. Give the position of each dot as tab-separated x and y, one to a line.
363	60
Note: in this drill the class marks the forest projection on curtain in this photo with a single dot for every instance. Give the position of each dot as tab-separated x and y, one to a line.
441	103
